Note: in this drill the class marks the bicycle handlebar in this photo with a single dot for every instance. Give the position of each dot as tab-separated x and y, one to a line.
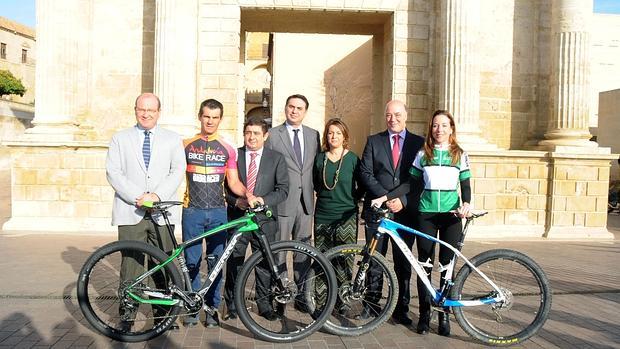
164	205
258	207
160	205
472	214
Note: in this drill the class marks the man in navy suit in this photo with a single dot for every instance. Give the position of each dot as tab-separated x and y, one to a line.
385	164
265	175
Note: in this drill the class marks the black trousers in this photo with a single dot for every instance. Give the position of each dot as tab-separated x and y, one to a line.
449	228
262	274
402	268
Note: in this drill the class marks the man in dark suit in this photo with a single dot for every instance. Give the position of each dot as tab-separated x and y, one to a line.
264	173
385	164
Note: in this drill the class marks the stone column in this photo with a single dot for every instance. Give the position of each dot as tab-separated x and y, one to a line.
570	74
56	74
176	43
459	70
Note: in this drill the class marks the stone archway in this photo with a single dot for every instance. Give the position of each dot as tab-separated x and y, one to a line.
289	40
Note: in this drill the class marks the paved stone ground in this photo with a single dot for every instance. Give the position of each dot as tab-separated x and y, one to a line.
38	307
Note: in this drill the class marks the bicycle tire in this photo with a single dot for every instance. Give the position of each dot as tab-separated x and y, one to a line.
293	322
98	287
345	320
525	286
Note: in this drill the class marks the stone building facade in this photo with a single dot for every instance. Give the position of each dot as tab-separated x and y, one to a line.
17	55
515	73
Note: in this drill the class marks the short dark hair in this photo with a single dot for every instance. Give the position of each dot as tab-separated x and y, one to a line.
302	97
211	104
256	121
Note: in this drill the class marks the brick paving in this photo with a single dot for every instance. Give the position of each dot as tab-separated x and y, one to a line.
38	307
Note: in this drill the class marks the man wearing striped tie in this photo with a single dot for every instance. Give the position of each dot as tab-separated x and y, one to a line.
264	172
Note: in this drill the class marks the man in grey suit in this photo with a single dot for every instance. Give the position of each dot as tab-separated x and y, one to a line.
299	144
144	163
264	173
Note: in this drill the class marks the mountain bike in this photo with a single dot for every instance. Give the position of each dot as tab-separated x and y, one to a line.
141	308
500	297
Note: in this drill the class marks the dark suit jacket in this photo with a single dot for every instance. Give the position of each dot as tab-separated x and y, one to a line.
377	173
300	178
271	181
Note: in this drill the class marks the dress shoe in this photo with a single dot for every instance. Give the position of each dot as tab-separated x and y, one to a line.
343	309
190	320
280	309
125	326
300	307
366	314
424	323
402	319
212	321
444	324
270	315
231	315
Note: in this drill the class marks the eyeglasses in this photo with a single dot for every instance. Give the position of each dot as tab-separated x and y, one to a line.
148	111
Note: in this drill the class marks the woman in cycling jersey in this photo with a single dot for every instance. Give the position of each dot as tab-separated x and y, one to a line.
443	166
440	167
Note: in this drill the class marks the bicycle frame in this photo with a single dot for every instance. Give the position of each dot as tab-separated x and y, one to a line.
389	227
244	225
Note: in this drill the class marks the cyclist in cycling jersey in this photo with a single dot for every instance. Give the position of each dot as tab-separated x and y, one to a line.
210	161
442	166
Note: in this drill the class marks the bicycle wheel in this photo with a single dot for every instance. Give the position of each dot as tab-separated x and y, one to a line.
103	298
380	300
527	292
297	310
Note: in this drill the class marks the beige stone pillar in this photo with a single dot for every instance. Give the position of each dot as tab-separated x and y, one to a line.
459	70
569	93
176	43
56	73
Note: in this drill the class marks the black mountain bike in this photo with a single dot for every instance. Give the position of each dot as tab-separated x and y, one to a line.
144	307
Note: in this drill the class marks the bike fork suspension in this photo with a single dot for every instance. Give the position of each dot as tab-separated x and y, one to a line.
367	253
273	267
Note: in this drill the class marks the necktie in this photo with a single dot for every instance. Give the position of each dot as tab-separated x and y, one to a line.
297	147
395	150
146	148
252	172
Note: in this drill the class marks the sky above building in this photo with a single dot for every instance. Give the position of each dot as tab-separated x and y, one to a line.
23	11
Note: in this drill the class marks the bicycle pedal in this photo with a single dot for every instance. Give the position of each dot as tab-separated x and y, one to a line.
441	309
209	310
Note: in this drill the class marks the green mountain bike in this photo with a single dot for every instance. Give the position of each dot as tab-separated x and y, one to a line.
141	308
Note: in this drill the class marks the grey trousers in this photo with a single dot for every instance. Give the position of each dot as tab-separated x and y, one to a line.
298	228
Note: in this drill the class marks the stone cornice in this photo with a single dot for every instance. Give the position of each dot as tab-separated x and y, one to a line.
55	144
